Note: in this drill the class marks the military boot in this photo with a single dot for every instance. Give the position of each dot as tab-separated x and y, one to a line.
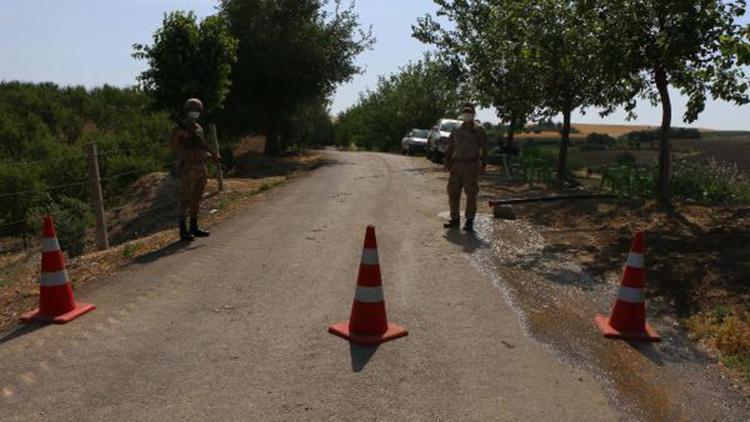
185	235
453	224
195	231
469	225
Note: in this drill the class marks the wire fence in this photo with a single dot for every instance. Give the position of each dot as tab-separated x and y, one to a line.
92	184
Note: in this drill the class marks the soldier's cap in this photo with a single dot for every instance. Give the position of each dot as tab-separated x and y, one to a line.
193	104
468	108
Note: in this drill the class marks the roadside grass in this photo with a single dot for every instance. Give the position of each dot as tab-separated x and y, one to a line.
130	250
728	332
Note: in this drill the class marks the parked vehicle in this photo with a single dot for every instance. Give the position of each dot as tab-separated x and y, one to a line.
437	140
414	141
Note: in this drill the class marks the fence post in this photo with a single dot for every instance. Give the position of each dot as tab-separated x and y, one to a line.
215	139
96	187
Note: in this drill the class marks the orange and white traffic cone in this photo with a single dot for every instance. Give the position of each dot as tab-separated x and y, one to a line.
56	302
628	320
368	324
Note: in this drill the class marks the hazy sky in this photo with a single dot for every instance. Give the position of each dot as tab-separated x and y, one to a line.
89	42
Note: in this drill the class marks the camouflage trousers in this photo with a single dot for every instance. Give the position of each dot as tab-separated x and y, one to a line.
193	178
464	176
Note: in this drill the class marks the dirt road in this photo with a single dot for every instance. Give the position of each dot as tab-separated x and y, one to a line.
234	327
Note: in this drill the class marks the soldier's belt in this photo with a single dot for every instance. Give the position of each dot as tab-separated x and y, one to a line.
465	160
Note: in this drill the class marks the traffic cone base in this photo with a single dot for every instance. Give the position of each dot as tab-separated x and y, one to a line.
57	304
368	322
648	333
393	332
36	316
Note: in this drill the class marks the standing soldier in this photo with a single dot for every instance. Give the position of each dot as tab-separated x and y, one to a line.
465	159
188	143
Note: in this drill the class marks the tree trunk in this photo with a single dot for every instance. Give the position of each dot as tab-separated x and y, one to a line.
564	141
511	135
273	145
662	184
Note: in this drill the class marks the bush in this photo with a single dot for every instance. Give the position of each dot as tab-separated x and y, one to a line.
21	190
600	139
729	333
119	172
711	182
72	218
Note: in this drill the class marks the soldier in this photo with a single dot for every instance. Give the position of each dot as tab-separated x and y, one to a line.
188	143
465	159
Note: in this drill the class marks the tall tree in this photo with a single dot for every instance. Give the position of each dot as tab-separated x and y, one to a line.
291	53
486	48
690	45
526	55
188	59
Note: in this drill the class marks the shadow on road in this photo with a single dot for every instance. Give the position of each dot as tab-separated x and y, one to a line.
21	331
171	249
470	242
648	351
361	356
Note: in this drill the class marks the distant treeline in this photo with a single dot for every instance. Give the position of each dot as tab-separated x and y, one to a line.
653	135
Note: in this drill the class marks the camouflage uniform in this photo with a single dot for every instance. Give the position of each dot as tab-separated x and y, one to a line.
193	154
467	150
189	143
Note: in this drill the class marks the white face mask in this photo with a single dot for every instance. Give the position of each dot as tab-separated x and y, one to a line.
194	114
467	117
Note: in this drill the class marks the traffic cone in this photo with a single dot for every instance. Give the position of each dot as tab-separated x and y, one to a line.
368	324
56	302
628	320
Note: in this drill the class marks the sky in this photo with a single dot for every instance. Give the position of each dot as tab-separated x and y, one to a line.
89	42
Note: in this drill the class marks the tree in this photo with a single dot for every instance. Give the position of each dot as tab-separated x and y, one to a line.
291	53
486	48
526	55
689	45
188	59
415	97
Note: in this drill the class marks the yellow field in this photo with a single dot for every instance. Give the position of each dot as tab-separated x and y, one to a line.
585	129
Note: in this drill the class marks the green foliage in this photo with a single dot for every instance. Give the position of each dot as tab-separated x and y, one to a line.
291	54
524	59
712	182
709	183
44	131
126	170
72	217
415	97
188	59
653	135
600	139
14	207
628	181
692	46
310	125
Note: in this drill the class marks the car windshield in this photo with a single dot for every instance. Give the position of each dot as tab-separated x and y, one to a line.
448	126
419	133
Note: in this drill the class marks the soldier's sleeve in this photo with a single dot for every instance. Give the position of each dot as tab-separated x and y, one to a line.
484	149
176	140
449	150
